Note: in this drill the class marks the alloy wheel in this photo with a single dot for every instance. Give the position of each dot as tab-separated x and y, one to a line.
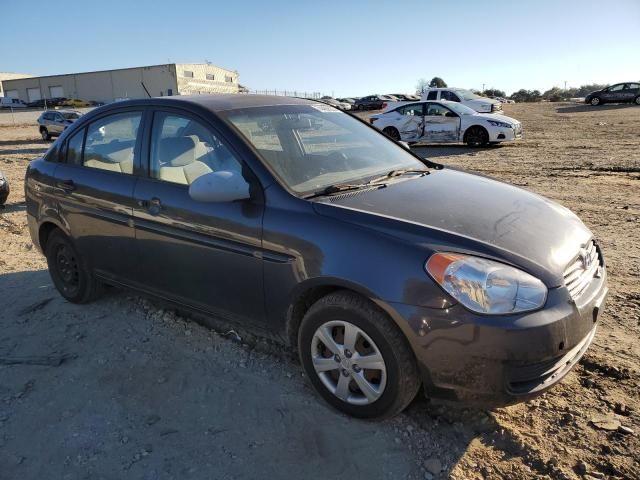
595	101
348	362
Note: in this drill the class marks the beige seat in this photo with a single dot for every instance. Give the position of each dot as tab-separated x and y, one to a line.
178	160
105	157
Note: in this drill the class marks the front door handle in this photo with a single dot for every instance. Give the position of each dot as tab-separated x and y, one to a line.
153	206
66	185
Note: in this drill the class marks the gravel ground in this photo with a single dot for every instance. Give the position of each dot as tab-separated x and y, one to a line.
125	388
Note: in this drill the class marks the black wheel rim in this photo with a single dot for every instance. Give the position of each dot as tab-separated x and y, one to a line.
67	269
393	134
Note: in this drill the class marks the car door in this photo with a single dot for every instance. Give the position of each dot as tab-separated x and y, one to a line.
95	191
410	121
57	125
629	92
204	255
441	125
613	93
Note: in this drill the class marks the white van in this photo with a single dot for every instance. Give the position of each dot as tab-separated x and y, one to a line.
465	97
8	102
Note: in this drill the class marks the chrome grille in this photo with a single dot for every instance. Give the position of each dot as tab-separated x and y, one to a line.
583	269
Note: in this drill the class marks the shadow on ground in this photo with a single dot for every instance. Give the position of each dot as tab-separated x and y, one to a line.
123	389
13	207
589	108
435	151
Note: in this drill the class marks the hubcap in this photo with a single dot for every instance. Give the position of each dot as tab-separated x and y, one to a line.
348	362
595	101
67	267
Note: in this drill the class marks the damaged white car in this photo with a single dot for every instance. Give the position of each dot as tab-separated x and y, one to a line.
444	122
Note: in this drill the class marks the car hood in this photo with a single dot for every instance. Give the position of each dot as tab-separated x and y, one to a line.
496	116
449	210
483	101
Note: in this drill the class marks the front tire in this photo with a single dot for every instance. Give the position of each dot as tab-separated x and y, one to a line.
476	137
637	100
69	272
46	136
356	357
595	101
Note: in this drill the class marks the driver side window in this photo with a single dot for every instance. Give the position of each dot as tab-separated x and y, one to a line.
182	149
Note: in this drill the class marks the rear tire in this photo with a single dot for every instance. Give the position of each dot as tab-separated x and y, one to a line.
45	134
69	272
392	132
383	388
595	101
476	137
637	100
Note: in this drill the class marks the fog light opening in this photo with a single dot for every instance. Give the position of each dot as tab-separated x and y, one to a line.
501	136
595	314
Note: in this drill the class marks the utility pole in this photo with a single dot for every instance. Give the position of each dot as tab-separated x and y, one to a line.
483	88
565	84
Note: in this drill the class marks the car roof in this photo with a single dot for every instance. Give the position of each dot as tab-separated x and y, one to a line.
220	102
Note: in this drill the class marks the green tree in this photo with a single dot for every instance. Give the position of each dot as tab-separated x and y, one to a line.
494	92
523	95
437	82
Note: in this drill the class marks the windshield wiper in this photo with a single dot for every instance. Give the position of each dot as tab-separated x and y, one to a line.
342	187
398	173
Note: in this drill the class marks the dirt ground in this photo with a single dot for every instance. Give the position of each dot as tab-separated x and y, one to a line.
124	388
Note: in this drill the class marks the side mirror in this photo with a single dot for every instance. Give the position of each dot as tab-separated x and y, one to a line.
222	186
405	145
451	114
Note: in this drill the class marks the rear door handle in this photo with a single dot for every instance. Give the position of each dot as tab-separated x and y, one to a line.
66	185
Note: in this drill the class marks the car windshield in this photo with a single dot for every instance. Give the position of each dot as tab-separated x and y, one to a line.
310	147
70	115
466	94
461	109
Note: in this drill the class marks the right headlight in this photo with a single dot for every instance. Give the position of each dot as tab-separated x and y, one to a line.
485	286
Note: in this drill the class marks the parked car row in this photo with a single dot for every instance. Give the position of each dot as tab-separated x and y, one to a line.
8	102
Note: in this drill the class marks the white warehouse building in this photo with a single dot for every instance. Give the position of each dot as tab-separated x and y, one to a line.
137	82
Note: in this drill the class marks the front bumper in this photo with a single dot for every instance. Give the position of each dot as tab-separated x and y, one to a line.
503	134
499	360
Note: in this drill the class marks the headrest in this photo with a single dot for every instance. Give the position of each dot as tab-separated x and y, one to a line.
177	151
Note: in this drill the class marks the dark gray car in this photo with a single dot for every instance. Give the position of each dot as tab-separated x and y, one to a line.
619	93
386	271
53	122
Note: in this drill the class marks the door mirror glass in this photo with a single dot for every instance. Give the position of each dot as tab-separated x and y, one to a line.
451	114
220	186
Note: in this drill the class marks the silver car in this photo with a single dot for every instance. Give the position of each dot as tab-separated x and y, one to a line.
53	122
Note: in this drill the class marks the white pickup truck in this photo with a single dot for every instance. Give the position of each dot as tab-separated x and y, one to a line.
465	97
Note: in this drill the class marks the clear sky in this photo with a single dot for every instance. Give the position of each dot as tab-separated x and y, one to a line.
344	48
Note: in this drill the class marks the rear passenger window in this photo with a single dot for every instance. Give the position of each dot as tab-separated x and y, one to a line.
74	148
111	142
432	95
182	149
